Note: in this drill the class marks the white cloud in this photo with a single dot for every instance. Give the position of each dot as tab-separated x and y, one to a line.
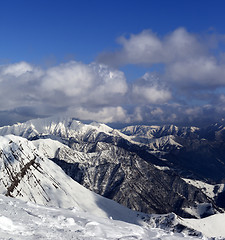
95	91
105	114
96	84
189	86
149	90
151	94
156	112
193	111
222	98
16	69
18	83
180	45
73	79
143	48
89	92
187	58
20	73
137	115
203	71
147	48
69	83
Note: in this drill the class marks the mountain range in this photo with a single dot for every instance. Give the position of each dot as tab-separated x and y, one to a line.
62	162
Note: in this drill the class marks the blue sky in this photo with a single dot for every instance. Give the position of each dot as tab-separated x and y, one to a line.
56	39
34	31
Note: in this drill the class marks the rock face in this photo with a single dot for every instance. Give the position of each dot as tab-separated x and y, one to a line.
129	180
116	165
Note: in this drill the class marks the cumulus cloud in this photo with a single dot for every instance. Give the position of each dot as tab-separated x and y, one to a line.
148	48
95	92
73	84
18	85
90	84
149	90
188	88
198	73
17	69
188	59
156	112
105	114
86	91
151	94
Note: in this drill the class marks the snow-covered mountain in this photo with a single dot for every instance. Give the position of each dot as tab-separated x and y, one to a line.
192	152
110	164
61	128
160	139
159	131
26	174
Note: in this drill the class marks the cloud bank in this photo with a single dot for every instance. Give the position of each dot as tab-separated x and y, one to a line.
187	58
189	88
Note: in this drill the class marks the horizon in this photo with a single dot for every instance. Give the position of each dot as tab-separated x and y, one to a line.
118	126
120	63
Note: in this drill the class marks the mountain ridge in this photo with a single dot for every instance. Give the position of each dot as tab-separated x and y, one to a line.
113	165
139	175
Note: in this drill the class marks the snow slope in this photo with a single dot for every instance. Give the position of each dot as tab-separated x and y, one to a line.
209	189
213	226
24	220
28	175
48	147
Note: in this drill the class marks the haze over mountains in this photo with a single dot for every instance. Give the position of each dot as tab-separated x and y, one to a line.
150	169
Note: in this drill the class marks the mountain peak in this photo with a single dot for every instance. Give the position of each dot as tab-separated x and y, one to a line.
57	126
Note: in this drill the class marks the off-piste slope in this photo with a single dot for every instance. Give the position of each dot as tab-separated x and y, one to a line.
28	221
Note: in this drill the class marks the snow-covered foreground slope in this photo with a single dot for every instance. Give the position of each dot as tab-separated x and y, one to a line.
28	175
20	220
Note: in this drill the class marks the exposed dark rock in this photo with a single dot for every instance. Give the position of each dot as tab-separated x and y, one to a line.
128	179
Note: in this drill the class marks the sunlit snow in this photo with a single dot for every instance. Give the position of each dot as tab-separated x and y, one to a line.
24	220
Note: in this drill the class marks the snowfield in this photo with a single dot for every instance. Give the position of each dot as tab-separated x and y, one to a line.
213	226
25	220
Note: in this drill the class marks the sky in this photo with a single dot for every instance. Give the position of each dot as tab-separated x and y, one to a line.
117	62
